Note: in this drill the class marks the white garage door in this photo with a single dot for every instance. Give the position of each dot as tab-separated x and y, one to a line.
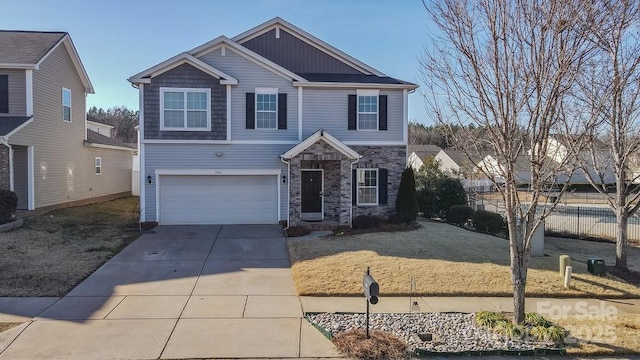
218	199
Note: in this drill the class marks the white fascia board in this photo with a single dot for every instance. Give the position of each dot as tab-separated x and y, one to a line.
178	60
110	147
134	80
99	124
18	66
328	138
218	172
203	142
18	128
75	59
246	53
309	39
355	85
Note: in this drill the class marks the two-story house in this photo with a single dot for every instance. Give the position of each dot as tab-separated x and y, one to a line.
48	156
272	125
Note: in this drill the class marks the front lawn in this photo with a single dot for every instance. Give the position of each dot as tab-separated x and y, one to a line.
445	261
54	252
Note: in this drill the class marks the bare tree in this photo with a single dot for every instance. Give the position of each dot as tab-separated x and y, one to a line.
611	92
506	66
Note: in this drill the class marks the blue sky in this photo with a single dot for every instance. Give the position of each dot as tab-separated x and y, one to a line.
118	38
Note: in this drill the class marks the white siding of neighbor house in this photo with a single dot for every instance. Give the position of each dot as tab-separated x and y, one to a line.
182	156
17	92
251	75
63	165
446	163
327	109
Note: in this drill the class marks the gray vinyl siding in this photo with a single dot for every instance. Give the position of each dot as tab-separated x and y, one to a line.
327	108
251	75
17	92
64	167
201	156
20	176
296	55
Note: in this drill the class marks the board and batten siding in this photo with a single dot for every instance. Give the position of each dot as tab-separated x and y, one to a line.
327	109
250	76
183	156
17	92
63	166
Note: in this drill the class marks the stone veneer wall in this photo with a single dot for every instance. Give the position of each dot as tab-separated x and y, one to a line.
392	158
4	167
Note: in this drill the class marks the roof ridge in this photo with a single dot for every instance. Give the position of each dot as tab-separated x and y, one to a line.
35	31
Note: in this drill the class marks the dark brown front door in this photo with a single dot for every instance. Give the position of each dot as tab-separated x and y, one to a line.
311	191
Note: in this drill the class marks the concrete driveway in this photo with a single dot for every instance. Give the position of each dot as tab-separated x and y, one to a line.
179	292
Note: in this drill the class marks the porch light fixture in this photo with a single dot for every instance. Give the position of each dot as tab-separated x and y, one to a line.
148	179
284	179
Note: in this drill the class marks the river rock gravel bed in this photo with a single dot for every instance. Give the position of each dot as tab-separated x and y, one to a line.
451	332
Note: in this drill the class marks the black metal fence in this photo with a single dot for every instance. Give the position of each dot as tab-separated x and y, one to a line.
589	222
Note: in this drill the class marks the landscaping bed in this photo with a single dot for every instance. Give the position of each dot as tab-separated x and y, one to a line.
53	252
444	260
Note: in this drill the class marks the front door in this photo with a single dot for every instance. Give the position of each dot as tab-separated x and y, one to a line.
311	194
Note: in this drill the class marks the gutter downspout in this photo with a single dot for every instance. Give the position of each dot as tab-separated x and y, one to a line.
288	191
352	194
4	141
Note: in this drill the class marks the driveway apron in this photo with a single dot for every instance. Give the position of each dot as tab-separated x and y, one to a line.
209	291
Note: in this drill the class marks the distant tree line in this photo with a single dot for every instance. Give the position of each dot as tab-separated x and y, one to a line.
121	118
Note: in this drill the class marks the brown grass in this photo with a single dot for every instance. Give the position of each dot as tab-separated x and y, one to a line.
4	326
380	345
53	252
602	336
443	259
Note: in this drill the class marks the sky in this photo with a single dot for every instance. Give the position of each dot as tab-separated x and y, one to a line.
119	38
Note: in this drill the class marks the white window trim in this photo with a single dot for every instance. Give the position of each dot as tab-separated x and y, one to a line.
97	166
368	187
367	92
70	104
265	91
184	91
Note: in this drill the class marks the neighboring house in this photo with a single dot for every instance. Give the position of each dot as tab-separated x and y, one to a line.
419	154
100	128
48	154
492	168
601	171
457	163
271	125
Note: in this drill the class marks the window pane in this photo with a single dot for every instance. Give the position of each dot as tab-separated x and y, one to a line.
174	118
266	120
66	113
367	121
66	97
173	100
196	119
367	195
196	101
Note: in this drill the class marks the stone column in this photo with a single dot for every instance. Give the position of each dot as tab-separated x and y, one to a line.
295	191
4	168
345	192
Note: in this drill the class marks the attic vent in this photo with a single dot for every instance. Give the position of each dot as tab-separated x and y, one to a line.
277	33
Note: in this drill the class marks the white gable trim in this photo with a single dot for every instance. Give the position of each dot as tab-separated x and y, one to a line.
75	59
328	138
183	58
224	42
279	23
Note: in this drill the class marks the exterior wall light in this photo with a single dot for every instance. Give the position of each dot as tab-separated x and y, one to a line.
148	179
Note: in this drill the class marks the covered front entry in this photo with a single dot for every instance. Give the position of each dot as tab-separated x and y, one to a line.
320	180
217	199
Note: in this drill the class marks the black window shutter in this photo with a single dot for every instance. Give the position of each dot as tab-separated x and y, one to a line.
382	186
251	110
354	187
352	113
282	111
4	93
382	114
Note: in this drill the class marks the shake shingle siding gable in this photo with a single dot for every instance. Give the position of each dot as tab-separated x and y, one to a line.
296	55
185	76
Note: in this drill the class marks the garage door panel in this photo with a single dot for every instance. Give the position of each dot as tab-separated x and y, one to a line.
218	199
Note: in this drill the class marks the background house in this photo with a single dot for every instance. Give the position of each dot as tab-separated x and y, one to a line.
48	153
419	154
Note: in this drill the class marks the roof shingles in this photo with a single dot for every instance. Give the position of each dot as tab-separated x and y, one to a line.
26	47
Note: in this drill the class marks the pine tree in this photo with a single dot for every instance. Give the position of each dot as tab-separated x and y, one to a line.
407	201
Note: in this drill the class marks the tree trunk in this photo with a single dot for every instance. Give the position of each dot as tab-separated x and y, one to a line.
621	240
518	267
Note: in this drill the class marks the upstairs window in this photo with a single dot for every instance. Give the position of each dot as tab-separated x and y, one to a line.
66	105
267	109
4	94
185	109
368	111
